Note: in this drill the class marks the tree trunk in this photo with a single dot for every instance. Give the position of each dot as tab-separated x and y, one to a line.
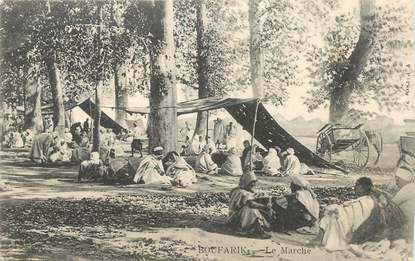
255	50
33	116
121	95
57	93
96	145
2	130
163	96
343	84
202	65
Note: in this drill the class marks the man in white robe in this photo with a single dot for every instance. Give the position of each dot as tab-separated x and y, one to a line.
151	169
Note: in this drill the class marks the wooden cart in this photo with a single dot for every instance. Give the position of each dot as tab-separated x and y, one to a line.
347	146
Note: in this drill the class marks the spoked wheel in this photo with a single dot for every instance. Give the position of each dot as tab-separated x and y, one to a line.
323	146
361	152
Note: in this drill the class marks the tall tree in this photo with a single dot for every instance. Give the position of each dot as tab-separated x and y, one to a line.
33	116
121	93
163	111
54	77
342	86
98	82
363	61
202	65
255	49
120	67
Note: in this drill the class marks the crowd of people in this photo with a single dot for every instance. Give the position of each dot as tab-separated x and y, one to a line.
373	215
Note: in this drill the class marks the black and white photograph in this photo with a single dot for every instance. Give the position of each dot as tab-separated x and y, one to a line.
207	130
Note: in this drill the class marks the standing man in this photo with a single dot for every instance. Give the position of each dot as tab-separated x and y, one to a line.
219	132
86	126
230	135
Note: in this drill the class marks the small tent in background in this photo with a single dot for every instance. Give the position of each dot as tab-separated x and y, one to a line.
89	107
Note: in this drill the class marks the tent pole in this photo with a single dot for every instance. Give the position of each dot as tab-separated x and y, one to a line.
253	132
207	128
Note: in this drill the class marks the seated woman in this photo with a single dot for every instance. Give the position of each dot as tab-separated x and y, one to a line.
179	170
405	198
92	170
371	217
292	165
245	214
232	165
300	208
204	162
272	163
151	169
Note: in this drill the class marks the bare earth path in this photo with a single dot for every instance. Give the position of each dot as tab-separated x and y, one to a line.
45	215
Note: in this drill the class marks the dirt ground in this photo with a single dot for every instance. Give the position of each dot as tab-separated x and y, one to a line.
46	215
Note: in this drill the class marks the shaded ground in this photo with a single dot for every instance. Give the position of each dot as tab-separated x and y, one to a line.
46	216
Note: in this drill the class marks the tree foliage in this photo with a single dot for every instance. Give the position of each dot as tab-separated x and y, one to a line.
385	80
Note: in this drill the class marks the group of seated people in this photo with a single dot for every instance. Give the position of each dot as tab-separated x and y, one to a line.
273	163
18	139
374	214
73	146
155	168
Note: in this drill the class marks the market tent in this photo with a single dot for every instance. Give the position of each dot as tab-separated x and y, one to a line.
89	107
267	130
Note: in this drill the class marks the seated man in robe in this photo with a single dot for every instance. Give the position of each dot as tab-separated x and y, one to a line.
179	170
204	162
246	215
81	152
272	163
298	209
292	165
15	140
405	198
371	217
186	147
232	165
197	145
60	152
151	169
92	170
42	146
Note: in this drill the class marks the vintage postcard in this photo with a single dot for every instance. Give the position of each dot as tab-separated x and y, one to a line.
207	130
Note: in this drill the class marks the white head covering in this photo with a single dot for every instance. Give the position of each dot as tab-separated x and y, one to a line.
405	174
290	151
94	157
159	148
232	151
273	152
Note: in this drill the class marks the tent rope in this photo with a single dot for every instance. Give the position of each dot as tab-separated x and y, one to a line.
258	101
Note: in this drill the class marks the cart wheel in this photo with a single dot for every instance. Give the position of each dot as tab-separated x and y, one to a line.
361	152
323	146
